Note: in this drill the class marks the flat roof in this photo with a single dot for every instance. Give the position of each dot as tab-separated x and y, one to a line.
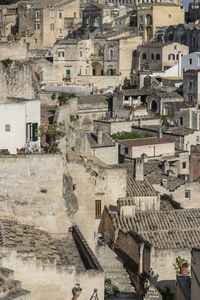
143	142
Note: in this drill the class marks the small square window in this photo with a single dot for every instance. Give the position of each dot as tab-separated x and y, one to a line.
7	127
169	16
184	165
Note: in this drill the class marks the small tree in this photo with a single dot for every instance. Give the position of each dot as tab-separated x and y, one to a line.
51	132
166	293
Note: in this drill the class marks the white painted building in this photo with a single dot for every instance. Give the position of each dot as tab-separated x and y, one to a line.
19	121
152	147
191	61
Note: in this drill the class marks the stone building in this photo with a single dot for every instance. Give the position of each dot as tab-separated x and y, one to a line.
151	147
8	20
194	12
42	23
151	16
164	103
183	138
187	34
156	56
157	238
102	146
191	86
95	184
99	61
19	122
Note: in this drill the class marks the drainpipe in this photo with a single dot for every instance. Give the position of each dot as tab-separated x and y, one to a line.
141	257
179	64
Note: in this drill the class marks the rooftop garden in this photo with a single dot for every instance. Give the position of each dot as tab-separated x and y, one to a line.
124	135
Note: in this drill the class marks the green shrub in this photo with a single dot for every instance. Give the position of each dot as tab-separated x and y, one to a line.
73	118
166	293
129	135
6	62
43	191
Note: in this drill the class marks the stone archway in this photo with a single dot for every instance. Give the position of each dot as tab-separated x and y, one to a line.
97	69
154	106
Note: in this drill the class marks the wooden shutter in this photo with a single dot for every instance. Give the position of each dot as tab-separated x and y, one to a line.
34	132
98	209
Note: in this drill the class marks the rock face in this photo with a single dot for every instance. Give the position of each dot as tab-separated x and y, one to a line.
17	80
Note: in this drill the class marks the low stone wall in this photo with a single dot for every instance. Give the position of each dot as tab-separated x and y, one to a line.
101	82
16	50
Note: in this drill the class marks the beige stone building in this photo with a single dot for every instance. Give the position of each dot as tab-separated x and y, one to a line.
159	56
41	24
151	147
151	16
102	61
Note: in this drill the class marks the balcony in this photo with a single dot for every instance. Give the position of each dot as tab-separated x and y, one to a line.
94	57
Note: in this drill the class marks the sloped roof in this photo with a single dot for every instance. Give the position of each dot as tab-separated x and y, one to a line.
139	188
178	228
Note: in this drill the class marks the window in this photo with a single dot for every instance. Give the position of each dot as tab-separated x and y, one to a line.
111	53
31	132
52	14
60	15
61	53
7	128
35	41
171	57
68	73
37	26
81	53
60	31
152	56
175	47
190	61
181	121
184	165
141	19
144	56
126	150
169	16
187	194
97	209
37	14
74	14
51	26
157	56
190	85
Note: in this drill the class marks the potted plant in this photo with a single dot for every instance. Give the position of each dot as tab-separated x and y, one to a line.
10	37
181	266
63	99
17	37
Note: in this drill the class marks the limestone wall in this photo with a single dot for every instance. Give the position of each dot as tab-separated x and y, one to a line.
17	81
101	82
31	190
13	50
51	282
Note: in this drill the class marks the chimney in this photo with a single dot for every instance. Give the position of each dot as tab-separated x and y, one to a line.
160	134
139	169
179	64
99	137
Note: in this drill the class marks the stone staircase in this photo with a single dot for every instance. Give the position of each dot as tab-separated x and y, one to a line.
114	269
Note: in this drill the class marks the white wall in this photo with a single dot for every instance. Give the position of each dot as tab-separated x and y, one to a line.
17	115
13	114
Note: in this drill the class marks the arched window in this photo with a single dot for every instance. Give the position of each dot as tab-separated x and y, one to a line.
157	56
171	57
144	56
149	20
